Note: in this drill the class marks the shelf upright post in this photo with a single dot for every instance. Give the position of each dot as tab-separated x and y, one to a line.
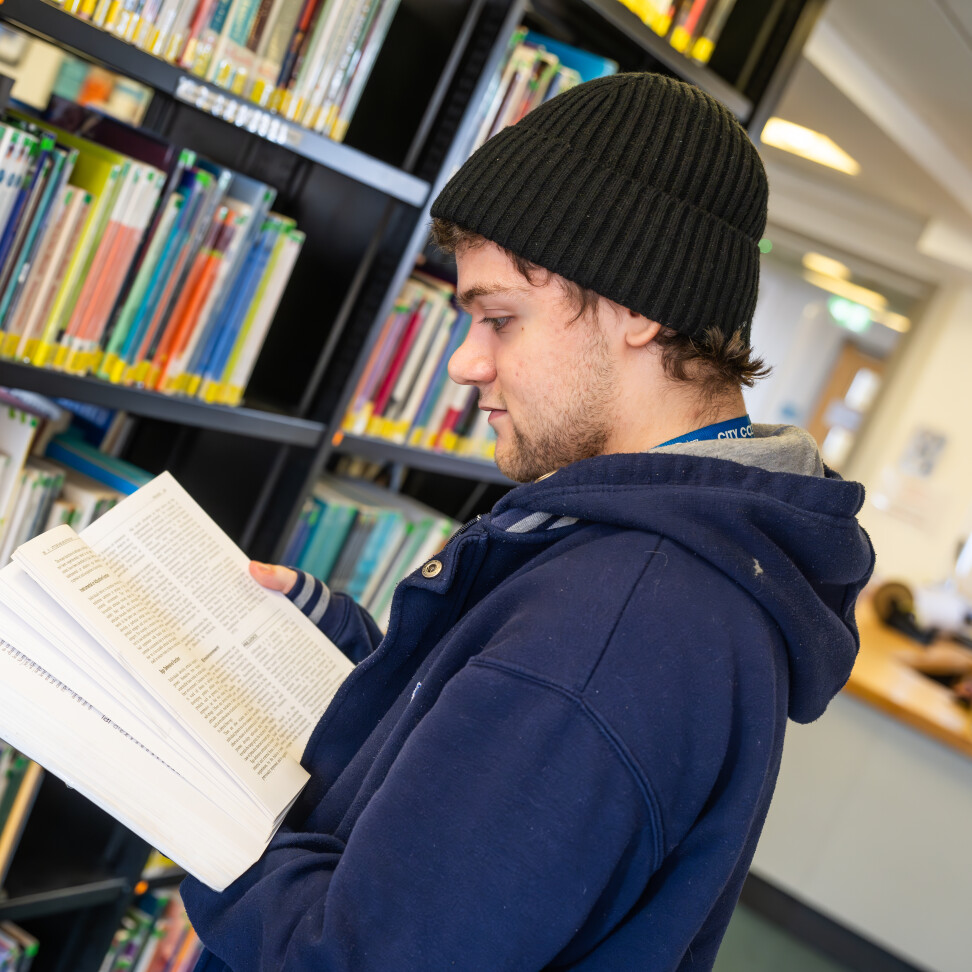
784	67
473	14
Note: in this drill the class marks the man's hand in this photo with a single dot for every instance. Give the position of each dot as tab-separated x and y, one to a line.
274	576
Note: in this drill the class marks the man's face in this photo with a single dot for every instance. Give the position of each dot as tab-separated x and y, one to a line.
549	382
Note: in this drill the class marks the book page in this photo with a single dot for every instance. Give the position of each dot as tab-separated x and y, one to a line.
60	729
167	592
53	640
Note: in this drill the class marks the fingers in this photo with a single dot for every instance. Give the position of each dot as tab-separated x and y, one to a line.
273	576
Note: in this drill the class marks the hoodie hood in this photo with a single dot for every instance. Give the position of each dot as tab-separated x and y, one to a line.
764	511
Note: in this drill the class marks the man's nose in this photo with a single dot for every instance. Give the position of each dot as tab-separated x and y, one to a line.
472	363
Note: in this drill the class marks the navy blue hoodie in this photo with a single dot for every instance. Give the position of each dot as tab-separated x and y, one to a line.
562	753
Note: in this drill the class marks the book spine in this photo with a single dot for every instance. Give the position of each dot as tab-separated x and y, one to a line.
426	417
193	295
214	362
348	54
33	240
332	58
129	245
78	204
376	38
112	361
100	262
177	374
313	60
200	18
74	280
208	43
306	24
22	303
28	171
430	312
232	56
399	356
244	356
273	49
429	366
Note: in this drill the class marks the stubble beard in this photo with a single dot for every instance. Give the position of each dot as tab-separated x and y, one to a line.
559	434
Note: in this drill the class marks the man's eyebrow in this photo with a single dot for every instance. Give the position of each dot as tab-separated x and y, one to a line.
465	299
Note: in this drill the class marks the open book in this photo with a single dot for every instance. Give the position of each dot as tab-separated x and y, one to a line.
141	664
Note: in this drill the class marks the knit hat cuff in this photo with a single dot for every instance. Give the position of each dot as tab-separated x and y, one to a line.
623	238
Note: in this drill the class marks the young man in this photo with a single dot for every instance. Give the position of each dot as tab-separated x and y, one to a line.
562	752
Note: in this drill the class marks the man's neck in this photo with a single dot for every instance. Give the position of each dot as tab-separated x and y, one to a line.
678	419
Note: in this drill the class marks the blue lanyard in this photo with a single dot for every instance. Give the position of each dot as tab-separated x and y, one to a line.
737	428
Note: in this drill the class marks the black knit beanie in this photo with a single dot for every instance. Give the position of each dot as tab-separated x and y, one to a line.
639	187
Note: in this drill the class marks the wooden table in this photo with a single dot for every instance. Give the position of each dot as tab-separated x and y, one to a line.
883	676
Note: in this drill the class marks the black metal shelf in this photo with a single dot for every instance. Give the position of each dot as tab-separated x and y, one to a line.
172	875
622	19
251	422
65	30
39	903
379	450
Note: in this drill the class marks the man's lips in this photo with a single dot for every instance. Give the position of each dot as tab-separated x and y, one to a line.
493	412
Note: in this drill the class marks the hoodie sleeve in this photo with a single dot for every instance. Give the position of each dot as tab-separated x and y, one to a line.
506	815
342	619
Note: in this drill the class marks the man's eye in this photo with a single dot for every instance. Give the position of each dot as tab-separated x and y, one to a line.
497	323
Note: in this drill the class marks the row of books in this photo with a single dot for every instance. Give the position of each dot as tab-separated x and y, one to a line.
154	936
17	948
49	474
113	94
309	60
535	69
692	27
405	394
125	257
362	540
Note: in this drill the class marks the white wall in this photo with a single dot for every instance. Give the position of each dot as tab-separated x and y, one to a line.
792	331
916	533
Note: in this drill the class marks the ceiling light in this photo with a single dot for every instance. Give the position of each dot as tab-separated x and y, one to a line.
844	288
808	144
826	265
897	322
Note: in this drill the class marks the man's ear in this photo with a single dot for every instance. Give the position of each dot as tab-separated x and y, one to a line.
639	332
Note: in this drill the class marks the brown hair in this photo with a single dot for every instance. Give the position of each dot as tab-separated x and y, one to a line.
717	361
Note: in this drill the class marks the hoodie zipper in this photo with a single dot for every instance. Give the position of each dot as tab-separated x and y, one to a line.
464	528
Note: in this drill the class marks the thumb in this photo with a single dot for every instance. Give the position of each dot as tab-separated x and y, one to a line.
273	576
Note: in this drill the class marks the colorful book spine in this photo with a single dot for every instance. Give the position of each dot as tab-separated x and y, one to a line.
154	936
17	271
244	355
361	539
125	258
308	59
404	394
